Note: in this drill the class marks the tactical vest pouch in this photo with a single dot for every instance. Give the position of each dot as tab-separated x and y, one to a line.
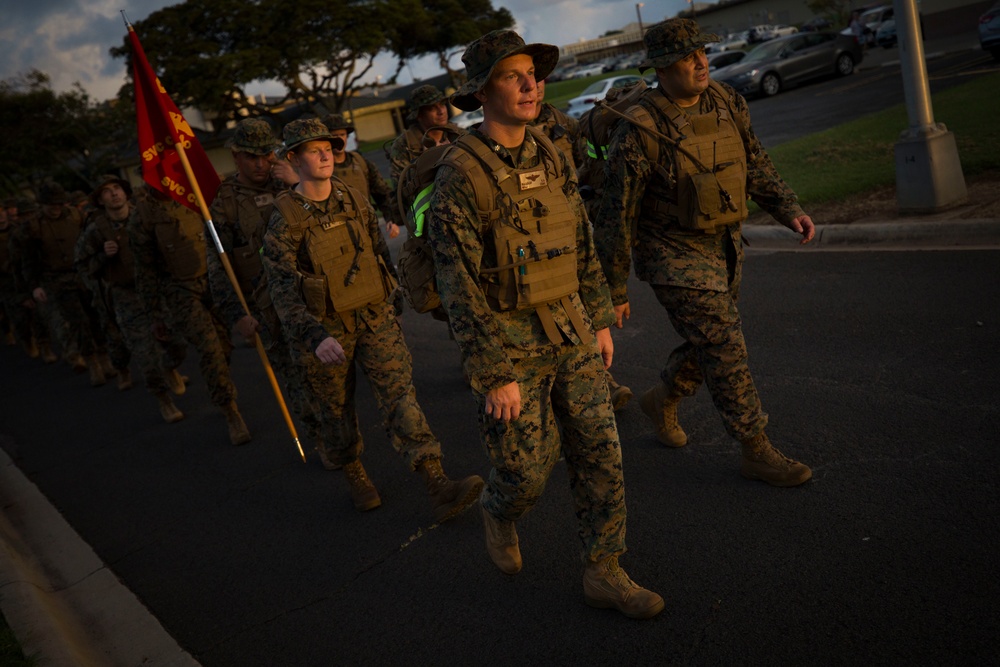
247	267
415	266
535	271
705	201
314	292
182	243
352	272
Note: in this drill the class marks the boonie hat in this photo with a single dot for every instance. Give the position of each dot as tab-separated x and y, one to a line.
254	136
51	194
106	180
306	129
482	55
673	40
336	121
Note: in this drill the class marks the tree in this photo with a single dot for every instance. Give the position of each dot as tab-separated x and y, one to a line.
206	51
441	28
54	136
838	11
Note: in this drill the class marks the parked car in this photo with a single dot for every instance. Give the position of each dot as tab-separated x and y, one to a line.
467	119
816	24
737	41
871	19
781	31
886	34
722	59
787	61
989	31
596	91
582	71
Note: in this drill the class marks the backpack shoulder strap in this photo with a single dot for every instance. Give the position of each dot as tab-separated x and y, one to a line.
722	97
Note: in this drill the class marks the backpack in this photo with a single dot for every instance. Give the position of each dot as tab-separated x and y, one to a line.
415	263
596	127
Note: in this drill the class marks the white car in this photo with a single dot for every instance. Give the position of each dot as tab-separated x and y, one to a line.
467	119
587	70
596	91
736	42
782	30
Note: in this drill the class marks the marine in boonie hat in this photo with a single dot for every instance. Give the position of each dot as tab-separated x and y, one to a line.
52	194
305	129
254	136
106	180
336	121
423	96
482	56
673	40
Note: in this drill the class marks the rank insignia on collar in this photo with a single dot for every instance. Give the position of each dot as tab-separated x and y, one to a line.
532	179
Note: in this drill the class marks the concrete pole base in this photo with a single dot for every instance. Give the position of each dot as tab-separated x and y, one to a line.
929	175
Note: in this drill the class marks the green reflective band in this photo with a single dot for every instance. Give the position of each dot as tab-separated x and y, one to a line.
592	151
421	203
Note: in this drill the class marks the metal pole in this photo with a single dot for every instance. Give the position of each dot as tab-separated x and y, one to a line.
639	15
914	69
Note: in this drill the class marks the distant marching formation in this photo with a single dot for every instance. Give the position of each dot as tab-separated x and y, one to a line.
521	235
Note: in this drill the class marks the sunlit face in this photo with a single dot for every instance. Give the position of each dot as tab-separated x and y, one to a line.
686	79
510	97
430	115
313	160
253	169
113	197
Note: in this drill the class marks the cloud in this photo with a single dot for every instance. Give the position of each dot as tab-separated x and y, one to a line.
70	39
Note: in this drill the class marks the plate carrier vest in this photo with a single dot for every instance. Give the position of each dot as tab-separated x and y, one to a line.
119	271
180	235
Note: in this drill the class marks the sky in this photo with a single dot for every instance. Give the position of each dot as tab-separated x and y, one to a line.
70	39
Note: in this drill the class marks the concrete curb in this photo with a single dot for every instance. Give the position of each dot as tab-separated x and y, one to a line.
903	233
63	604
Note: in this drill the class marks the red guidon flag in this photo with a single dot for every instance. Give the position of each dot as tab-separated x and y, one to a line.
161	126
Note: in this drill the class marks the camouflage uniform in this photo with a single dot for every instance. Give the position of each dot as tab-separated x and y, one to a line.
370	334
115	276
360	173
30	322
564	131
561	385
409	144
694	274
186	300
240	213
47	262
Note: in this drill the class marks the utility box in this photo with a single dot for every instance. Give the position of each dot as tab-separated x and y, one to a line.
928	171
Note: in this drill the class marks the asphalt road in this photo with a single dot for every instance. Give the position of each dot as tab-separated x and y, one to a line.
878	369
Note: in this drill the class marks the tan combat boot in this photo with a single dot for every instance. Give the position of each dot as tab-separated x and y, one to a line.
239	434
78	363
660	405
96	372
449	498
620	394
49	357
125	380
606	586
31	348
363	492
176	381
109	369
168	410
502	543
761	461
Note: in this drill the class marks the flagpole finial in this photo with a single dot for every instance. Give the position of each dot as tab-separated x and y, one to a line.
128	24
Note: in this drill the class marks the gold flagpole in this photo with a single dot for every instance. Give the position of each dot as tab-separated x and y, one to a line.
239	293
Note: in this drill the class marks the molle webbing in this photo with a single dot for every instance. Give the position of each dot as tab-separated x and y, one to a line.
120	269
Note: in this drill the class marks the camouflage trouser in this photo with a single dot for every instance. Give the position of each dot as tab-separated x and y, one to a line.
153	356
378	348
189	310
291	368
715	353
118	350
18	316
562	392
75	321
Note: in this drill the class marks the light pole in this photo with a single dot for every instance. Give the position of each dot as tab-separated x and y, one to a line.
639	6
